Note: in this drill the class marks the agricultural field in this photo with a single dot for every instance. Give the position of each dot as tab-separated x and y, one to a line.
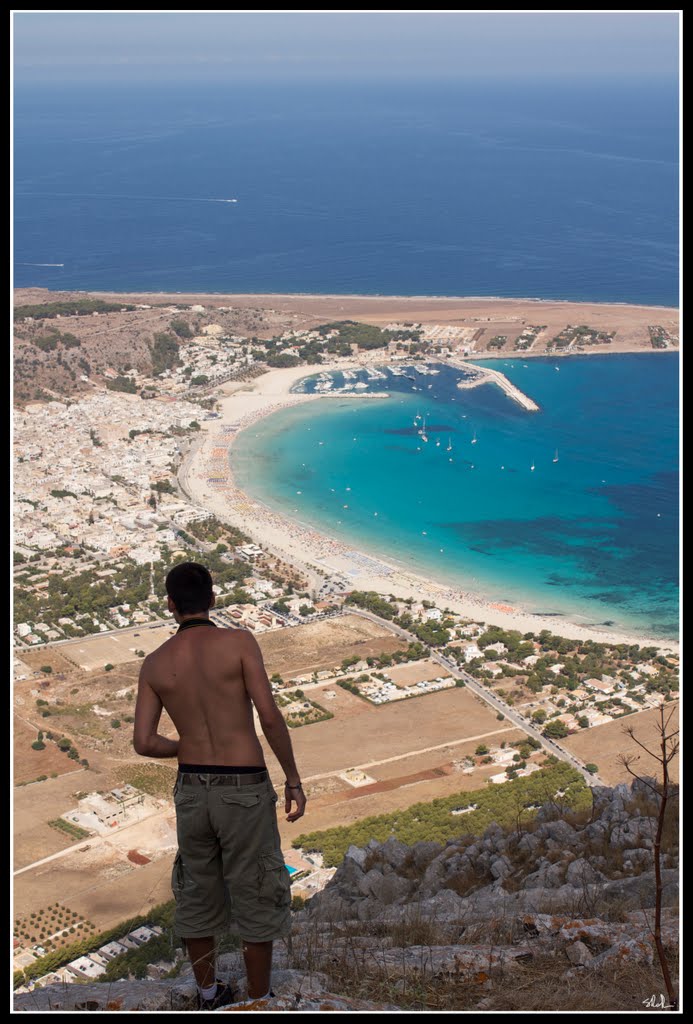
604	744
320	645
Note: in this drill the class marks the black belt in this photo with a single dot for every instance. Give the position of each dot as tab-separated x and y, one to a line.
209	779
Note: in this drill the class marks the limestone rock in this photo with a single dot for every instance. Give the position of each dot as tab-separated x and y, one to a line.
578	953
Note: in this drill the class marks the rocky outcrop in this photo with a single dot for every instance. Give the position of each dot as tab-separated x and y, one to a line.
293	990
474	912
553	866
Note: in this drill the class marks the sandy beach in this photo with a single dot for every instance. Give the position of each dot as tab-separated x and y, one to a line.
207	479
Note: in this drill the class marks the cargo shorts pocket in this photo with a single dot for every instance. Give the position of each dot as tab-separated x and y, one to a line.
275	884
182	796
238	798
177	876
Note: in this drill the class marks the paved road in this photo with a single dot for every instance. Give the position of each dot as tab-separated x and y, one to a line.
491	699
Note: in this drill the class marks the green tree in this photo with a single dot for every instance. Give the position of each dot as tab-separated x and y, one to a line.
181	328
282	359
121	383
555	730
164	353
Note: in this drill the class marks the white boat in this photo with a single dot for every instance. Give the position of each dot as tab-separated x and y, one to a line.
423	432
532	467
438	443
474	438
449	447
555	458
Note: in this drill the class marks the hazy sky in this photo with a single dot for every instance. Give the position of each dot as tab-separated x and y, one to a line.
55	46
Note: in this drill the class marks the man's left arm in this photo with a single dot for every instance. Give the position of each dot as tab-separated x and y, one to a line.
146	739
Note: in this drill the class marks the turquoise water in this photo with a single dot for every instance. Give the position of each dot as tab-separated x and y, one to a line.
592	537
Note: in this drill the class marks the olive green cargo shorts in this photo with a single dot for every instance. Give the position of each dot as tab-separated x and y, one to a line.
229	863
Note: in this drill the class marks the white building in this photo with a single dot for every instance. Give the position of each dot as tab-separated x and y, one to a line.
85	967
433	614
144	933
112	949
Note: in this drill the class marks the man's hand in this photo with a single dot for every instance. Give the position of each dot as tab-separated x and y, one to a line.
294	794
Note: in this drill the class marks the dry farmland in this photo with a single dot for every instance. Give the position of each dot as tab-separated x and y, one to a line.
605	743
324	645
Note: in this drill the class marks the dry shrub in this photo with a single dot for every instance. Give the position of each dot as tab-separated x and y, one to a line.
541	984
418	931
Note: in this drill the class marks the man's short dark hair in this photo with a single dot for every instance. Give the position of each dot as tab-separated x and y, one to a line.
189	585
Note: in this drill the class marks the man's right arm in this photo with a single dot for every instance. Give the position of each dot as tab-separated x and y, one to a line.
272	722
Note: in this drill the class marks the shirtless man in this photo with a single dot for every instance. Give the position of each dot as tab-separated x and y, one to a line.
208	680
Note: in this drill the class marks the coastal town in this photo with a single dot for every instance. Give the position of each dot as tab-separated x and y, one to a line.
121	472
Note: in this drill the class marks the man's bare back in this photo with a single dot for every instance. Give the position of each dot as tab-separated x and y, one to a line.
204	677
208	680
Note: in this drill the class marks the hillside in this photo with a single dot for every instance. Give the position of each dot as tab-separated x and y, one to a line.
64	342
555	915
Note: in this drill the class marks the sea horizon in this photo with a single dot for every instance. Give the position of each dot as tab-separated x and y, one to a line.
475	188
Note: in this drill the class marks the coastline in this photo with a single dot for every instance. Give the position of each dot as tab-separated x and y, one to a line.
207	478
366	297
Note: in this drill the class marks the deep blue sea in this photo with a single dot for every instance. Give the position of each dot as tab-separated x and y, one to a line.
553	189
592	536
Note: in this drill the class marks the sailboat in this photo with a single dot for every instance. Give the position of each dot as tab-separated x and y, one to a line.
423	432
532	467
474	438
449	447
555	458
438	443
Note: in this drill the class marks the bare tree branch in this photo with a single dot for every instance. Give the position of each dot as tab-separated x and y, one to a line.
668	750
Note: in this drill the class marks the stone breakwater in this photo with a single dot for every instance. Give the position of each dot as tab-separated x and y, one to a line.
485	375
